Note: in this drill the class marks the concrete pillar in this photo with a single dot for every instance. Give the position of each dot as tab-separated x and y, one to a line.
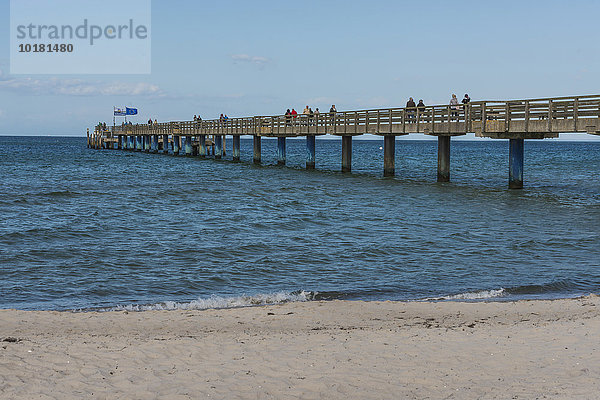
218	147
443	171
165	144
224	146
515	163
346	153
236	148
147	143
188	145
257	146
310	152
88	137
202	145
155	143
281	150
138	143
389	155
175	145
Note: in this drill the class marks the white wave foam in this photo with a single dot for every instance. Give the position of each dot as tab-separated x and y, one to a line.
479	295
215	302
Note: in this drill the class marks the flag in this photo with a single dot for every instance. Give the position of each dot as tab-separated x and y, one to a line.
130	111
119	112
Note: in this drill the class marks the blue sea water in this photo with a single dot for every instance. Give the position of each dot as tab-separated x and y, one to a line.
89	229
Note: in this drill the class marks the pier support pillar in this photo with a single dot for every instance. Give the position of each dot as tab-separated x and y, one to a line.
310	152
346	153
218	147
202	145
175	145
188	145
443	171
224	146
88	138
389	155
515	163
147	144
138	143
236	147
155	143
281	151
257	146
165	144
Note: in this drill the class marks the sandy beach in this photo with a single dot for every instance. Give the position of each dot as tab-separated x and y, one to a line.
313	350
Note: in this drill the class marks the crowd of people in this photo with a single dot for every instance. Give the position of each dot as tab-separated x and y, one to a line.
420	107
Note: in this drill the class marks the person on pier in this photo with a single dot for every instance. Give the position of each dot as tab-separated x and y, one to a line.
454	106
421	108
306	112
410	109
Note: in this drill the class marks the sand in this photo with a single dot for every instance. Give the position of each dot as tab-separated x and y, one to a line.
315	350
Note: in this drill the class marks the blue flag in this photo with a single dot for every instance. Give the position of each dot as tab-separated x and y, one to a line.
130	111
119	112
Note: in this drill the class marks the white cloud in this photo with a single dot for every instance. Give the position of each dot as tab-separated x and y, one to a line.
76	87
245	58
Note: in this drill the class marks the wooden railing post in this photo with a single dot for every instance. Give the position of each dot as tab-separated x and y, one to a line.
527	116
575	113
550	115
483	116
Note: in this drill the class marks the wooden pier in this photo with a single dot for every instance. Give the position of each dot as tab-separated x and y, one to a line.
515	120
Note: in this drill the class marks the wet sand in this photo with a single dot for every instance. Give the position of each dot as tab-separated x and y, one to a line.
315	350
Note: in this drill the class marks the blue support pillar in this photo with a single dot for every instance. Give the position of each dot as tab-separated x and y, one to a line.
236	148
389	155
310	152
443	172
147	145
138	143
188	145
515	163
281	150
346	153
175	145
202	145
257	149
218	146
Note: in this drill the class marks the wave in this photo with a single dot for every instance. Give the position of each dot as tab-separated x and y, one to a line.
560	289
218	302
477	295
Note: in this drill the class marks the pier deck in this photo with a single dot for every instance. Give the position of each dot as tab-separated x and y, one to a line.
515	120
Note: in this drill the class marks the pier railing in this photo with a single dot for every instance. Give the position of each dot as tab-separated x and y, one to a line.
486	118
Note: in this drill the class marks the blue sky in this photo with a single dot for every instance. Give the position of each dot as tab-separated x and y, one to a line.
261	57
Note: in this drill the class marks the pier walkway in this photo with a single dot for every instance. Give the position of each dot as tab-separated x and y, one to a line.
515	120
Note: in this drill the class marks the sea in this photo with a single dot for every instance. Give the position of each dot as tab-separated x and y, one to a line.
97	230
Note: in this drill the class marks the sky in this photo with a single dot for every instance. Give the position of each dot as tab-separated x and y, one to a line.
258	57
